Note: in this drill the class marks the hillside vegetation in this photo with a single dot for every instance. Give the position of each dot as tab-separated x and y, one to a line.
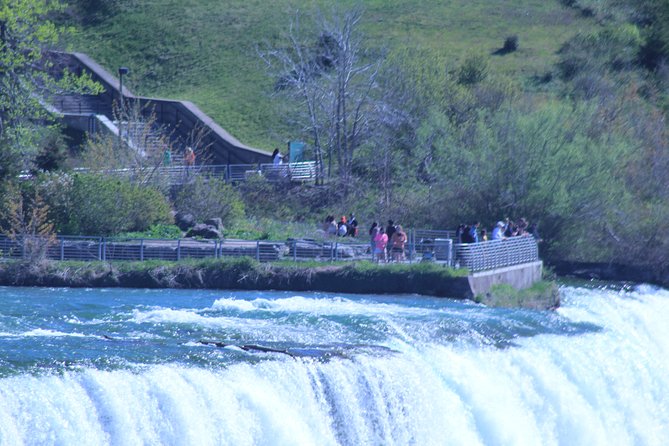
205	51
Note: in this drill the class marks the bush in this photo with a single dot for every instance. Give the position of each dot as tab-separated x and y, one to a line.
510	44
472	71
101	205
210	198
614	48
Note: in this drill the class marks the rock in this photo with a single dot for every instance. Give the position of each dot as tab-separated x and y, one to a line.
204	231
215	222
184	221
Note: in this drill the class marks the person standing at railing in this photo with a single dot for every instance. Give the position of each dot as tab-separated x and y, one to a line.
380	243
342	227
511	229
352	226
330	226
398	239
189	159
390	229
474	233
277	158
373	230
167	157
498	231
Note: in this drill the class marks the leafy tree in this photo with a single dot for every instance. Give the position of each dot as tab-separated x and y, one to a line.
26	33
328	73
27	222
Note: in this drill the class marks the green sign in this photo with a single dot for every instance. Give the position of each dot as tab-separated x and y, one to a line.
296	151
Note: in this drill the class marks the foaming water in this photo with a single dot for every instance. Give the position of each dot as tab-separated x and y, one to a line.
129	367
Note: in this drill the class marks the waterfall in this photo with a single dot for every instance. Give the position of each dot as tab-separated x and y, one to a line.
605	385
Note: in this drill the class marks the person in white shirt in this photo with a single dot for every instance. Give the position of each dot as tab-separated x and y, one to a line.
498	231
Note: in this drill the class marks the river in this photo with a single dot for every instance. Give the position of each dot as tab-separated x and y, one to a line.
128	367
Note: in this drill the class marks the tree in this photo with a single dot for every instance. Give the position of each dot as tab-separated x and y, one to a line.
26	34
27	222
328	72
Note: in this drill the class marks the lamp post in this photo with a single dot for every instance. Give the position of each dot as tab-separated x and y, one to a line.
121	72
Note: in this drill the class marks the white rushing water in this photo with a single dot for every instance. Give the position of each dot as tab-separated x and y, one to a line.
606	386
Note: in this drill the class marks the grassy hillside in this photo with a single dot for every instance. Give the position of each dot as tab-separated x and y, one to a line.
205	50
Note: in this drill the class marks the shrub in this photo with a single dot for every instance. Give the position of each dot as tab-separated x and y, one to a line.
614	48
52	150
510	44
102	205
472	71
210	198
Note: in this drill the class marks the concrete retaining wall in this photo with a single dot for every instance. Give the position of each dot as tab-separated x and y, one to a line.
518	276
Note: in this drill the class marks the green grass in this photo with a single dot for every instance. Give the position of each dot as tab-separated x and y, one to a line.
155	232
204	51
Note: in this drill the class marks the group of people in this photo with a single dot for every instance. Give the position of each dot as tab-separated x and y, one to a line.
345	227
387	243
189	157
502	230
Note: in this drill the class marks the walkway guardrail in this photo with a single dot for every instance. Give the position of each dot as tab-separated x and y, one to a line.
475	257
231	173
497	253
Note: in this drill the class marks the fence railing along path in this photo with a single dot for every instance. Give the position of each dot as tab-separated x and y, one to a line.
178	173
475	257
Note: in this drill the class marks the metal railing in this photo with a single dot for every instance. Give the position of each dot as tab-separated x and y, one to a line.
475	257
124	249
496	253
180	174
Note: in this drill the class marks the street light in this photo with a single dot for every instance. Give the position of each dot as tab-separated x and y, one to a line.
121	72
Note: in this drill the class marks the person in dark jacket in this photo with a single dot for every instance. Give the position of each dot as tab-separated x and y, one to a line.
390	230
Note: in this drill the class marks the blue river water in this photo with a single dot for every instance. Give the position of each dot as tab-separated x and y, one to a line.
185	367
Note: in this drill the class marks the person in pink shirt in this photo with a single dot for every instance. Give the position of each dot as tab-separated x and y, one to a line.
380	242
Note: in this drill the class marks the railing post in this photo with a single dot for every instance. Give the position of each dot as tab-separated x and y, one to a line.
62	249
449	256
141	250
103	242
178	250
258	250
294	250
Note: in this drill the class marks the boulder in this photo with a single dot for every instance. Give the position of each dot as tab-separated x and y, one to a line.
184	221
215	222
204	231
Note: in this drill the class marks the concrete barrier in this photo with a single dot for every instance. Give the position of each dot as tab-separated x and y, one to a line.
518	276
